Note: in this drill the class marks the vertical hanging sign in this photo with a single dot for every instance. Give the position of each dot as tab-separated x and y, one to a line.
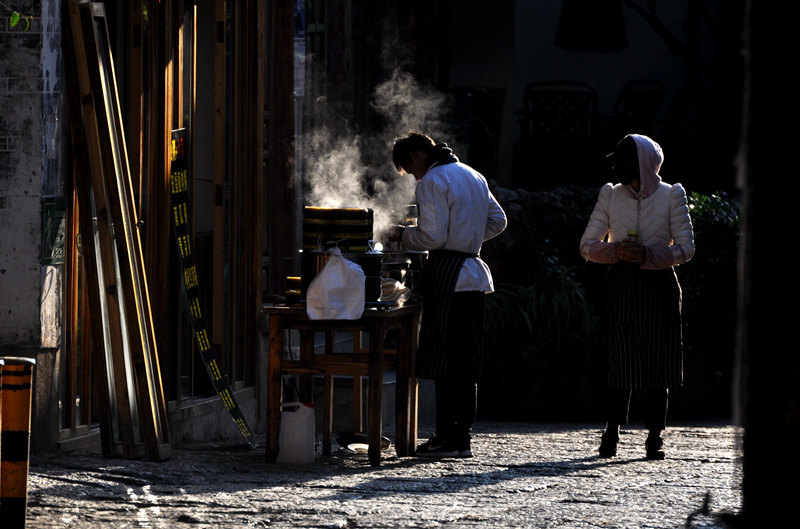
181	221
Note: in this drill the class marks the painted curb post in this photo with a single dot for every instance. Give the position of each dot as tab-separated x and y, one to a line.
15	421
2	362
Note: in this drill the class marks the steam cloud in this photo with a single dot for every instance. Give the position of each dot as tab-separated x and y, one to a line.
344	169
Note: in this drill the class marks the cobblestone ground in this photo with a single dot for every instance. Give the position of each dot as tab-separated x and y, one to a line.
522	475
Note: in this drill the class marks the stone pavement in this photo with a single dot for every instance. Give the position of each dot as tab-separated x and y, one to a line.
522	475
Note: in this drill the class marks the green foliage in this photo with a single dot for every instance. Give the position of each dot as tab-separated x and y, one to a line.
540	314
716	223
709	288
15	18
708	281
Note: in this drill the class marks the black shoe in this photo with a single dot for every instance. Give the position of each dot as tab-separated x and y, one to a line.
438	447
653	447
608	444
465	448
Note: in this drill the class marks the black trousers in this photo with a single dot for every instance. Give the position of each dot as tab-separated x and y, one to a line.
457	389
656	403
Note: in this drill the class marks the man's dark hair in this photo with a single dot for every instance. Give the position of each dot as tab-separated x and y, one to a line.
413	141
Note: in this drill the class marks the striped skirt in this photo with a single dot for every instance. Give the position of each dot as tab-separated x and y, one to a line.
644	317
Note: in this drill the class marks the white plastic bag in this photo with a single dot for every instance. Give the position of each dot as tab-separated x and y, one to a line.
338	290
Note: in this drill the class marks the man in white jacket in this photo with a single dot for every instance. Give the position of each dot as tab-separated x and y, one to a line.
457	213
641	228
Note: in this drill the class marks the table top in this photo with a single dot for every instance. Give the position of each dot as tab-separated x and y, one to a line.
388	311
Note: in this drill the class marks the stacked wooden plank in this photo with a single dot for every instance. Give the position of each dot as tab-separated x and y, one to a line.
135	422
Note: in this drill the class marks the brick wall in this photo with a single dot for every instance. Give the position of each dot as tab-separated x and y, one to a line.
31	158
20	178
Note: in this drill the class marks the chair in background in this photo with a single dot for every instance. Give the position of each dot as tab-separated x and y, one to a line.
637	106
478	121
558	110
557	140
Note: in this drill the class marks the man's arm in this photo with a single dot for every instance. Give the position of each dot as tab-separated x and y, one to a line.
496	220
431	230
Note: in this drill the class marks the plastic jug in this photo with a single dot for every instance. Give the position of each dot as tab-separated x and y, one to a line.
296	438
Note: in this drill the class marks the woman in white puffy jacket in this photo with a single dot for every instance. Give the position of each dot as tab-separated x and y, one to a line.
642	229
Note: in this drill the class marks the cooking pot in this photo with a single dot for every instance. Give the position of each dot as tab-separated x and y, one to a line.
370	263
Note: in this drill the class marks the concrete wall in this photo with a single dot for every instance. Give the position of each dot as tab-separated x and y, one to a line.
31	157
20	184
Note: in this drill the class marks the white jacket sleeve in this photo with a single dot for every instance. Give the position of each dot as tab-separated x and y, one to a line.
432	228
680	226
496	220
678	246
594	246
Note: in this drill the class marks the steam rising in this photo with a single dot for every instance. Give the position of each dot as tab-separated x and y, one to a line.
344	169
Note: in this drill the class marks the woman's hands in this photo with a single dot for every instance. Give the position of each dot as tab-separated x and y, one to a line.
630	251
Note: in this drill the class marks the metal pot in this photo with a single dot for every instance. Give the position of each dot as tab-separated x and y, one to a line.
370	263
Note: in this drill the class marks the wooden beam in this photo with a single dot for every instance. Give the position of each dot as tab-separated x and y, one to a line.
280	192
218	244
136	98
100	267
111	164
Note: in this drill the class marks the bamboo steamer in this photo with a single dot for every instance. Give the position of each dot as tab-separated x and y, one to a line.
350	228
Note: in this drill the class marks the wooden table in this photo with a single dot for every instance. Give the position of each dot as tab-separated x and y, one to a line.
371	362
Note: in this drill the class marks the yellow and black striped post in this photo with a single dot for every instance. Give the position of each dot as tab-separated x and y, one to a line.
2	362
15	433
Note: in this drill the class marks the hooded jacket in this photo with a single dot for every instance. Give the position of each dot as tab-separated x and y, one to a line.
659	212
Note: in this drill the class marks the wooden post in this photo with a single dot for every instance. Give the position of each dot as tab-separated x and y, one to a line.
282	245
218	255
377	334
274	386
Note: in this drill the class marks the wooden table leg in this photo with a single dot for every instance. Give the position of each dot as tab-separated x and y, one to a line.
358	404
306	389
327	411
406	397
274	386
401	398
358	390
413	386
327	416
376	337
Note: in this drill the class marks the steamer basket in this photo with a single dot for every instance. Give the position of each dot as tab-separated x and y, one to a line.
350	228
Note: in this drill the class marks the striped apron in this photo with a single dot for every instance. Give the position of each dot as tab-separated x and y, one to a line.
438	284
644	316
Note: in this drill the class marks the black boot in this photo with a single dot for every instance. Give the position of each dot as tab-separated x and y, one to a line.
609	440
653	446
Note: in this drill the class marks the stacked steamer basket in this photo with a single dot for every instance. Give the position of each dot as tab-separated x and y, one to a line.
349	229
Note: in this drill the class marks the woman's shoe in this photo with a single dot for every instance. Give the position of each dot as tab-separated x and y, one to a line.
608	444
653	447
